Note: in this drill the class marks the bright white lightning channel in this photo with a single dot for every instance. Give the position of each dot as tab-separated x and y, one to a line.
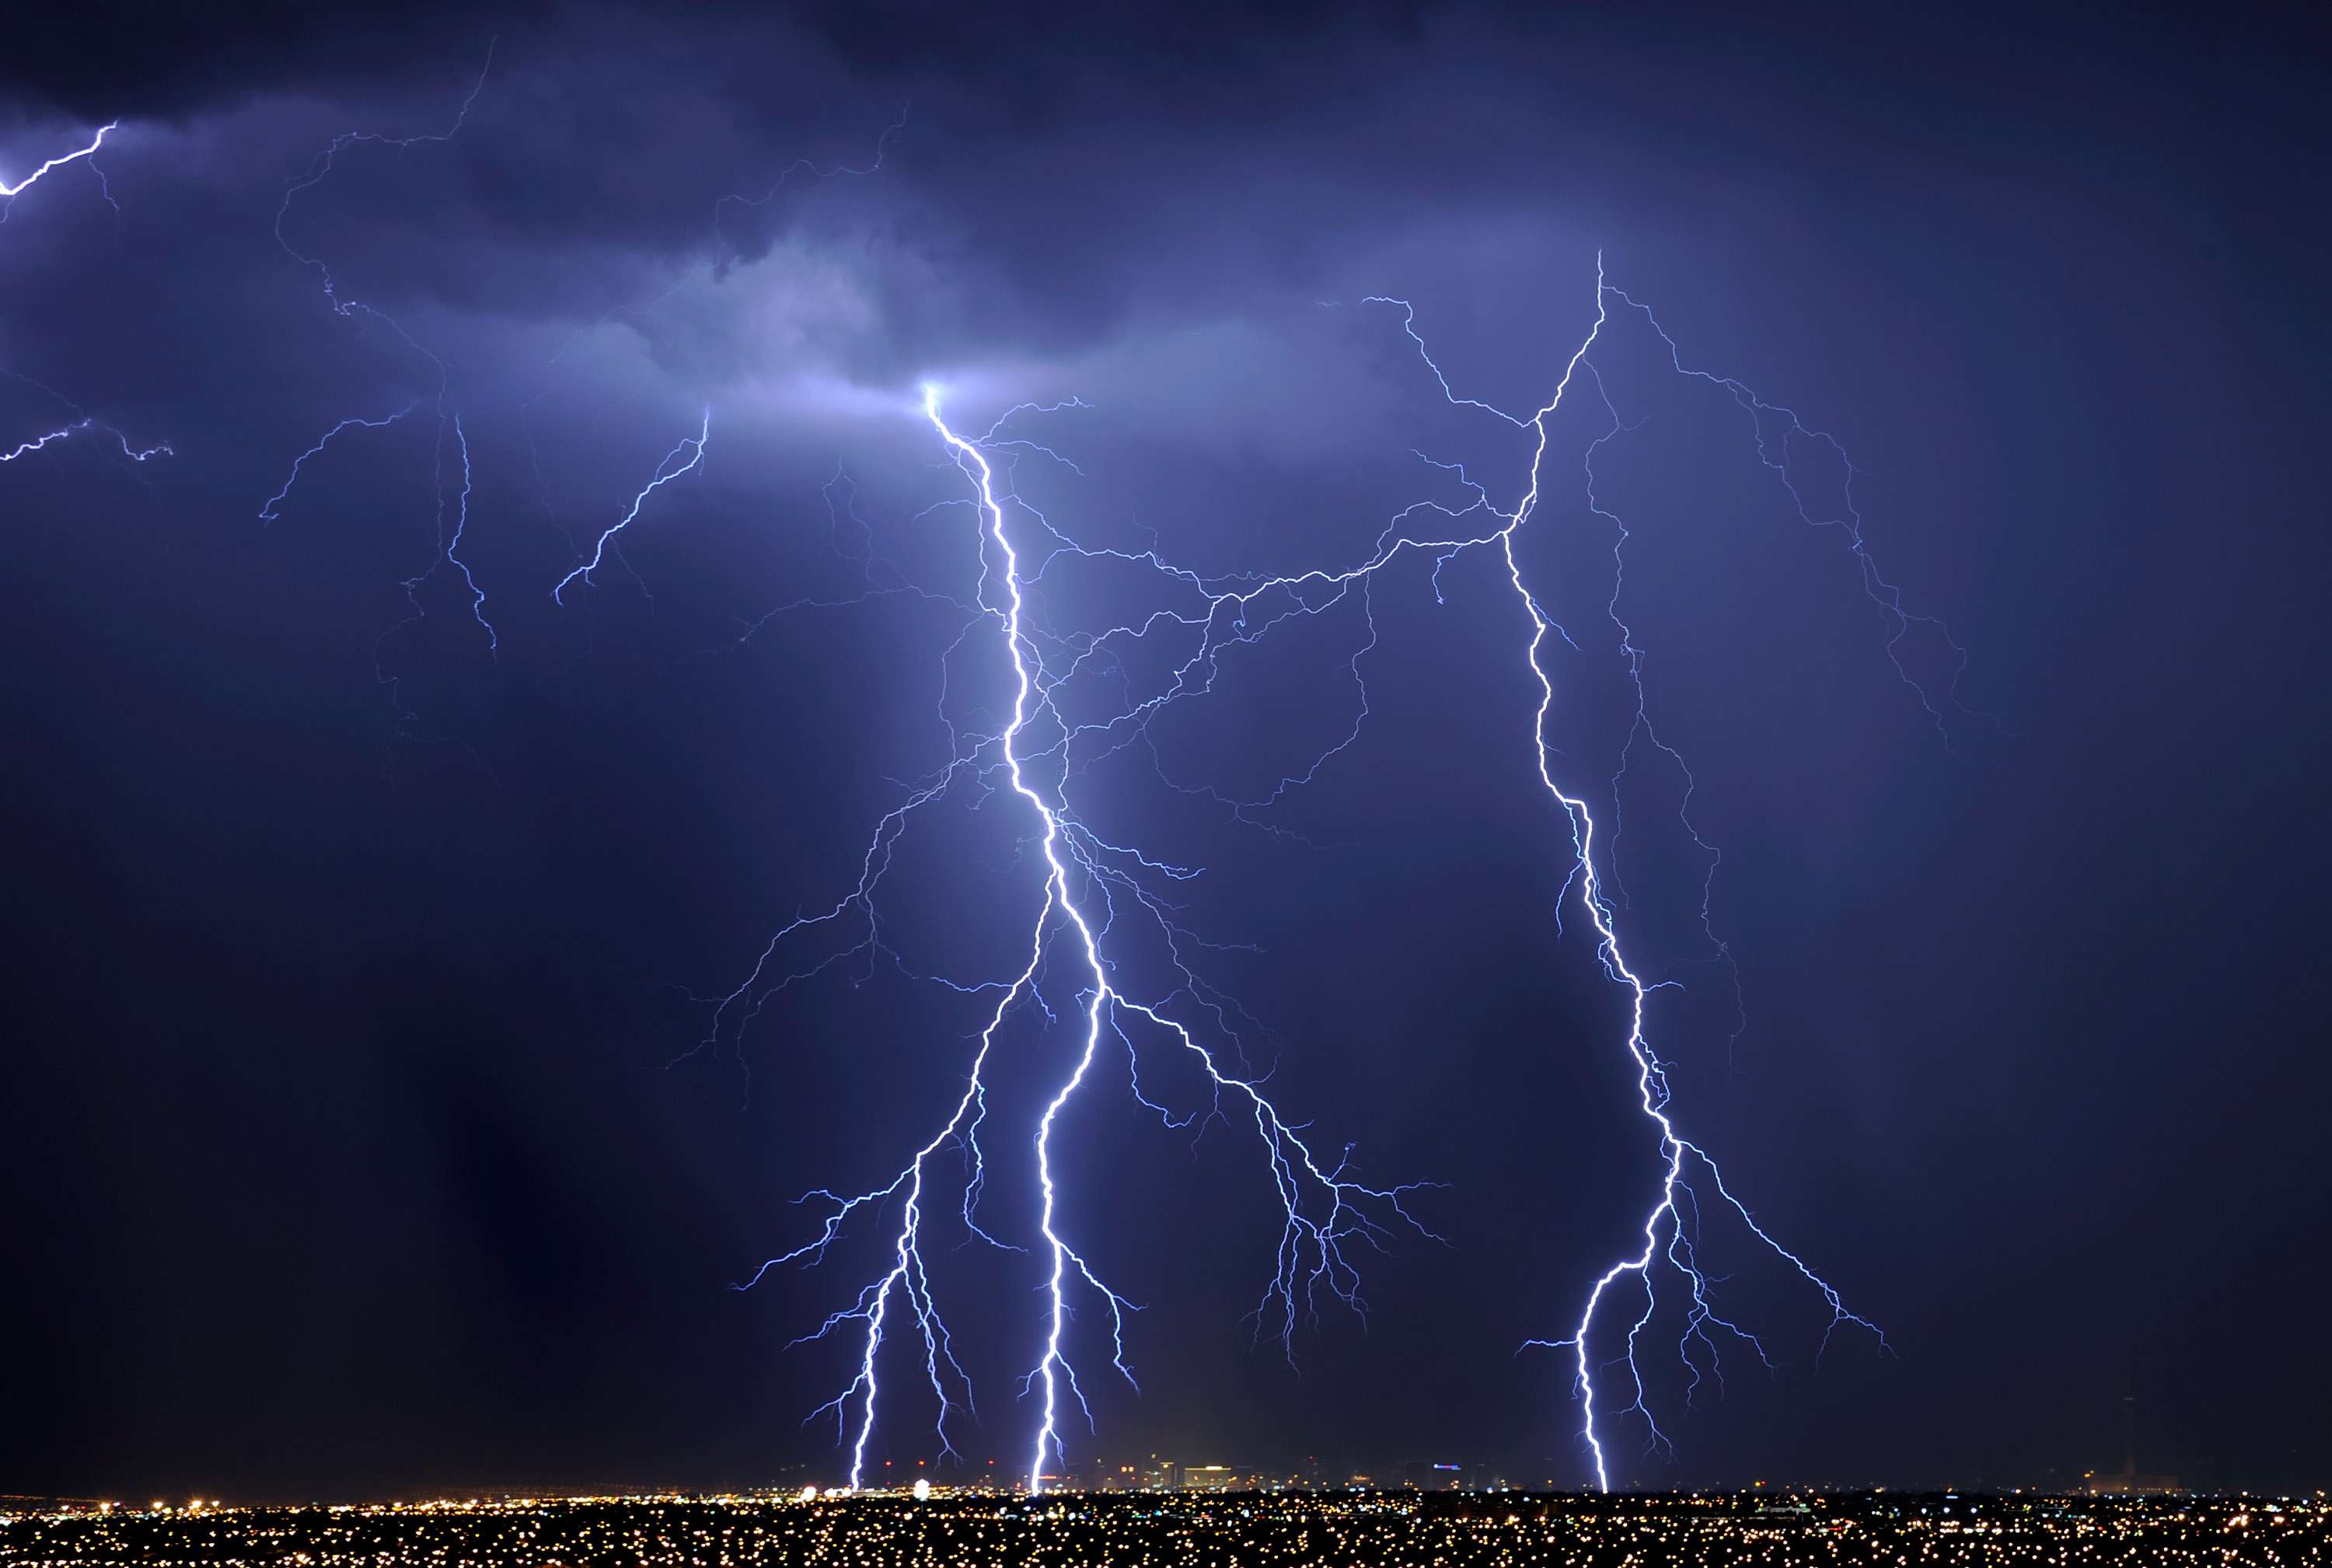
9	193
1326	1208
1090	884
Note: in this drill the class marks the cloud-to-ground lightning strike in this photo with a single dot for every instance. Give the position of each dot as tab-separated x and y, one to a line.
1090	884
1671	1228
1326	1208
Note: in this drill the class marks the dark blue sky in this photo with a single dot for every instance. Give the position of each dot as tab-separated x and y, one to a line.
348	1109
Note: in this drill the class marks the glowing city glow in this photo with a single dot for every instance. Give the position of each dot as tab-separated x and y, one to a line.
1268	1523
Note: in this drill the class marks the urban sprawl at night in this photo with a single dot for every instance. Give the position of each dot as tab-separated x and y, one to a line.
1262	1528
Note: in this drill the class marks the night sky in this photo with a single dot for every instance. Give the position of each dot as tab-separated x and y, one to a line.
364	1126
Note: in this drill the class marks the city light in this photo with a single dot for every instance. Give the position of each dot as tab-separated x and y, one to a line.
1270	1527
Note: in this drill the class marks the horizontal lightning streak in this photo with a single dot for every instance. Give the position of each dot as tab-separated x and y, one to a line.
64	432
77	421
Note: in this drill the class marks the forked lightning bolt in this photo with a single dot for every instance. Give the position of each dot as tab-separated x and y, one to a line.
1325	1209
1094	891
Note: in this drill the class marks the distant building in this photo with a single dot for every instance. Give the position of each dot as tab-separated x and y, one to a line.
1428	1475
1217	1478
2129	1483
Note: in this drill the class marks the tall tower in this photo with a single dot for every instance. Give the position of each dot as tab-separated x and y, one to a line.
2129	1483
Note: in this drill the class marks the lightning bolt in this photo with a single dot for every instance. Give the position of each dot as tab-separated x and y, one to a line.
321	168
1671	1228
63	432
1777	430
449	422
665	473
274	509
9	193
1094	890
1326	1210
79	421
449	541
